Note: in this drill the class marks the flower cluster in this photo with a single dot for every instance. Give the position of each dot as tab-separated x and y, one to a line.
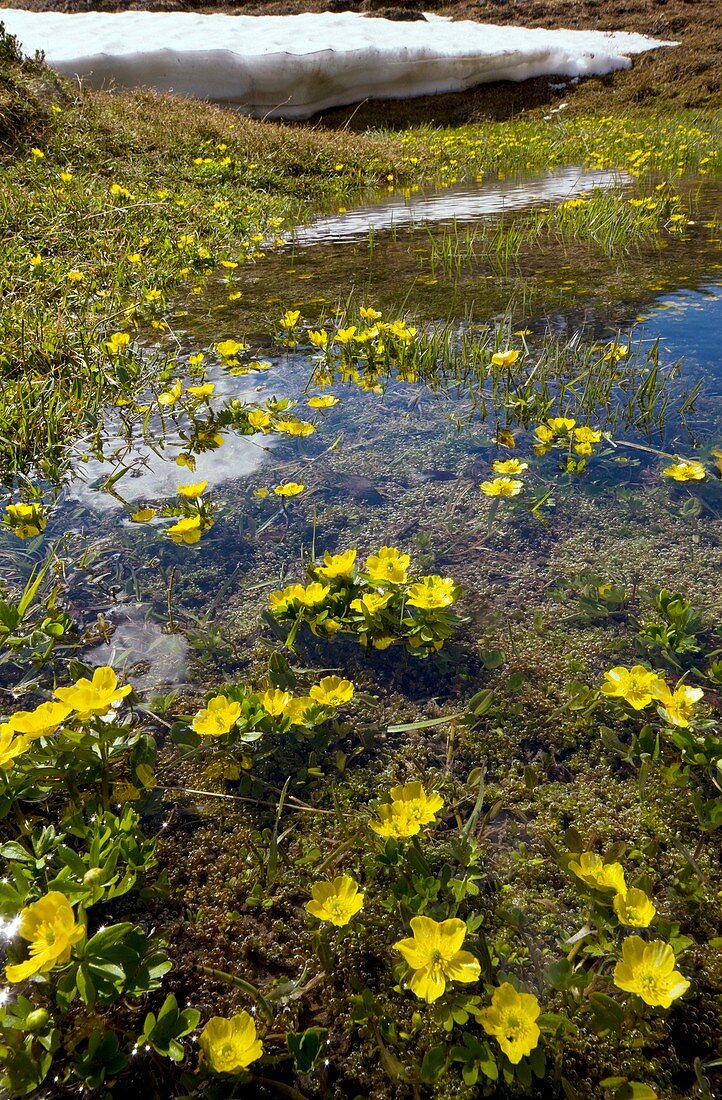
639	686
646	967
196	515
25	520
365	352
633	907
563	432
381	604
247	715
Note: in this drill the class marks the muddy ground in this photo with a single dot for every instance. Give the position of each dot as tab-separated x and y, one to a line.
689	76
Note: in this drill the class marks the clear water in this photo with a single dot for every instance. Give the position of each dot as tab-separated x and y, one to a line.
402	465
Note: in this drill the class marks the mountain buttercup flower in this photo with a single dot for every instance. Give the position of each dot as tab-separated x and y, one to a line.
594	872
50	926
637	685
434	955
332	691
502	487
432	592
647	969
634	908
230	1045
408	811
511	1019
388	565
336	902
219	716
93	697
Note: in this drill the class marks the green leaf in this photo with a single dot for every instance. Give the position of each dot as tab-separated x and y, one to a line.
492	658
306	1046
434	1063
608	1015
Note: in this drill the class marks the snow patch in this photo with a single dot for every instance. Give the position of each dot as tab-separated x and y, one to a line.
292	66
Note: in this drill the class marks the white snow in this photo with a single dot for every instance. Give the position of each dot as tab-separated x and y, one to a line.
293	66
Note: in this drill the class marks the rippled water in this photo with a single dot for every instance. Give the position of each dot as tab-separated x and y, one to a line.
461	203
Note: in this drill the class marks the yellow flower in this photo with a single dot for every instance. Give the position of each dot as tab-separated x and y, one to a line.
26	520
289	489
186	531
318	337
282	599
511	1019
544	433
37	153
275	702
368	313
509	466
186	460
196	359
230	1045
219	716
332	691
202	391
123	192
193	491
678	705
587	435
326	401
227	349
636	685
117	343
502	487
685	471
41	722
337	565
259	420
592	870
142	515
298	708
93	697
292	426
345	335
388	566
49	925
290	318
617	352
561	425
371	603
336	902
432	592
12	745
634	908
169	397
505	358
647	969
435	957
313	594
401	330
75	276
410	808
